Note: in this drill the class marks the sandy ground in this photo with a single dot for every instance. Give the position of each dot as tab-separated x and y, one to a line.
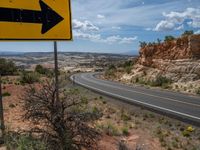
13	113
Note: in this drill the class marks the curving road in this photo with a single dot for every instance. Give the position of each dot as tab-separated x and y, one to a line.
179	105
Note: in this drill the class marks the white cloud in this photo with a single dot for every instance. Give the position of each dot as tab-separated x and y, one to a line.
108	40
84	25
197	32
100	16
181	27
175	20
82	35
124	12
164	25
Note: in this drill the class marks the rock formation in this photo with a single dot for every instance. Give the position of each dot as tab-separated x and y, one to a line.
187	47
177	60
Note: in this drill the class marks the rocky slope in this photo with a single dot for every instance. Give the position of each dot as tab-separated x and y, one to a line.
178	61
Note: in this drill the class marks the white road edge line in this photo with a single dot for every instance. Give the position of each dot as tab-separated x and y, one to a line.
132	91
137	101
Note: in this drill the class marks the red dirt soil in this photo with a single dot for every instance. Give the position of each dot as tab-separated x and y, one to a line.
13	113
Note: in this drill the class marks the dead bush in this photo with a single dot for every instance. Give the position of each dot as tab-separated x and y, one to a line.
62	124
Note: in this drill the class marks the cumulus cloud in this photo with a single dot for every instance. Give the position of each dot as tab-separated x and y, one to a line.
164	25
175	20
84	25
100	16
108	40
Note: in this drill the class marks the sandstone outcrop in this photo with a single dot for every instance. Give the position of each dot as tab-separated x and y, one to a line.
187	47
177	60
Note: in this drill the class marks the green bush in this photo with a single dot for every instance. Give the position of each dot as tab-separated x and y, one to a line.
6	94
112	67
125	116
198	91
12	106
142	44
188	32
161	81
23	142
44	71
125	131
110	73
29	77
128	63
128	69
111	130
186	133
7	67
169	38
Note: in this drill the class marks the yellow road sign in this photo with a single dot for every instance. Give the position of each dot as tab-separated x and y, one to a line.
35	20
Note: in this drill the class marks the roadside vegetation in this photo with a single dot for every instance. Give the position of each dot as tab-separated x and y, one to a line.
29	77
159	81
83	119
198	91
63	123
44	71
7	67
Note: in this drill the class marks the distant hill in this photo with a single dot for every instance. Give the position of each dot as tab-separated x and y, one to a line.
4	53
43	54
131	53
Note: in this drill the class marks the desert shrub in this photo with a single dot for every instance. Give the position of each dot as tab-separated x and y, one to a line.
161	81
111	130
142	44
186	133
198	91
159	41
18	141
122	146
7	67
110	72
169	38
128	63
12	106
112	67
128	69
125	131
44	71
6	94
63	125
125	116
29	77
188	32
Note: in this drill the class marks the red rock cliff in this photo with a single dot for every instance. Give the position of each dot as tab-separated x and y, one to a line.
187	47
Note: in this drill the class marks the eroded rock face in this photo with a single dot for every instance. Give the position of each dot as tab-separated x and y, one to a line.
178	60
187	47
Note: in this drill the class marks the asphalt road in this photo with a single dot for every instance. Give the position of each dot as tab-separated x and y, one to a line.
182	106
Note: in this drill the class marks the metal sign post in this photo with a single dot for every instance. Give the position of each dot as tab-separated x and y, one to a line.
2	127
56	71
44	20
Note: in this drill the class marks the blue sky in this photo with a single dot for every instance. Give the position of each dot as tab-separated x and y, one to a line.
117	26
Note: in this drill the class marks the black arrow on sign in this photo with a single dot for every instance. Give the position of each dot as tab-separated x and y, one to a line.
47	16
